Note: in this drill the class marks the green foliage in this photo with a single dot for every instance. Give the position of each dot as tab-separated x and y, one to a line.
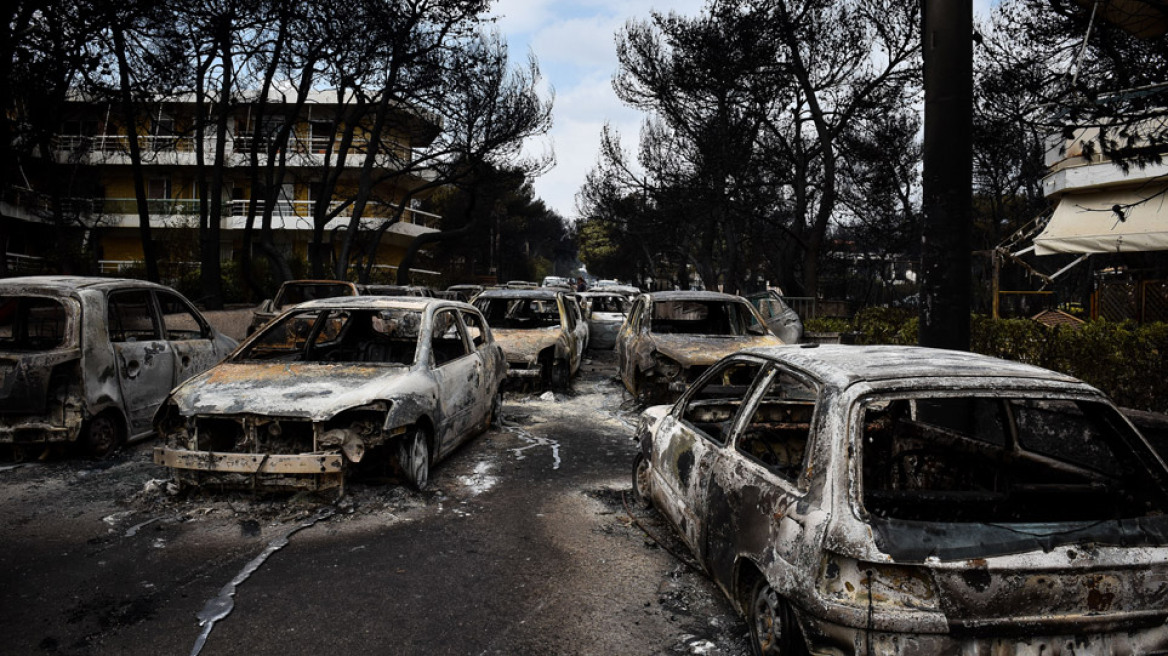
1128	361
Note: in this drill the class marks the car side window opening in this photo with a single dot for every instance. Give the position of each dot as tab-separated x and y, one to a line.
447	341
131	317
178	319
475	328
779	428
712	406
994	459
31	323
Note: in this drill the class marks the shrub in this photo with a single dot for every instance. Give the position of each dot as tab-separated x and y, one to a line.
1127	361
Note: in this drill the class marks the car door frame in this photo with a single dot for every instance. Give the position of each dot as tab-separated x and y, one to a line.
145	368
681	501
454	394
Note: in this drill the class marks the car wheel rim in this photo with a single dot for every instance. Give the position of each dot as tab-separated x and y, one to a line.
419	462
102	436
641	481
768	621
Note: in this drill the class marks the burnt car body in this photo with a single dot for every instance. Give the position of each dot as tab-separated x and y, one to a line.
605	312
465	292
390	383
90	359
780	317
669	338
292	292
539	331
903	500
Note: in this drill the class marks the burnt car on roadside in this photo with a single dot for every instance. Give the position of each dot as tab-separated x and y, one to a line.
605	312
384	385
669	338
903	500
292	292
88	360
541	332
781	318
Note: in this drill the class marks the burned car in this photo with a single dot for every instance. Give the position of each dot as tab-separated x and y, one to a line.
292	292
540	332
391	384
903	500
88	360
669	338
779	317
606	313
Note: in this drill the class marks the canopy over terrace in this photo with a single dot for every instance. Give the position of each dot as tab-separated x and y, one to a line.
1110	221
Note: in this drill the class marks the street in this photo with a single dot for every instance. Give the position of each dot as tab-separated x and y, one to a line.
523	545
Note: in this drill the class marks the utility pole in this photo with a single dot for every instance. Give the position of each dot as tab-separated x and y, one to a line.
947	47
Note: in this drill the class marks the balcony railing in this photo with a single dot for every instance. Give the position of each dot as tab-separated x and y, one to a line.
240	143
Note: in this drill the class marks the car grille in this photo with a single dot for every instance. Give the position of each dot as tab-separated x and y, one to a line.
255	435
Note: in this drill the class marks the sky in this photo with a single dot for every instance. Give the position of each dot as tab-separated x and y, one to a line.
573	41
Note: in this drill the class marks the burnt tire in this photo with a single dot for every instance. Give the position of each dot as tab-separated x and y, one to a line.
414	458
772	626
641	482
561	375
495	420
101	435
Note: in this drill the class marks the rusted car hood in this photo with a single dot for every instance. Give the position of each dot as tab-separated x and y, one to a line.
691	350
310	390
526	344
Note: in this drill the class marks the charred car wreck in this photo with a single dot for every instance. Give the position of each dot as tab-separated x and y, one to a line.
391	384
88	360
542	333
895	500
670	338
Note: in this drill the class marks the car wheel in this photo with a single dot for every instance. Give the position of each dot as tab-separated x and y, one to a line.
102	434
414	458
641	481
496	417
561	375
772	629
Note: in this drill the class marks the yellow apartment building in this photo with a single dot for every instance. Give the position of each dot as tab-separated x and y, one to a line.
92	154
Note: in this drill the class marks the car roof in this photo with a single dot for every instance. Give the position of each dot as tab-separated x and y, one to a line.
845	365
693	296
419	303
541	293
67	284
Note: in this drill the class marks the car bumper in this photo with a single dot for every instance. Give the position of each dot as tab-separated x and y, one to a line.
304	470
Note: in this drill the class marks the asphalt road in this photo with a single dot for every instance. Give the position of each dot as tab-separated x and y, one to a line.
523	546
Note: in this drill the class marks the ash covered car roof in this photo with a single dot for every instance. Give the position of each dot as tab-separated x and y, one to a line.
844	365
377	302
520	293
69	284
695	296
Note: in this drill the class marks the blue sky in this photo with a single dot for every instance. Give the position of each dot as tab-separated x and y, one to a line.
574	44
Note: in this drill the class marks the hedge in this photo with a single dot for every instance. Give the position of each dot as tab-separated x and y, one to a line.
1128	361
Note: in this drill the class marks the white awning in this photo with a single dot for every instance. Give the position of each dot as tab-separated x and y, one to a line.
1107	222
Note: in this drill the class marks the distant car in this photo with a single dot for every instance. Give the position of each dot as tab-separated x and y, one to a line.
669	338
558	281
292	292
605	312
88	360
780	318
520	284
901	500
539	332
465	292
385	382
394	290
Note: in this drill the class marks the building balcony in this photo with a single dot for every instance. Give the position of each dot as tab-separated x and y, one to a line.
114	149
184	212
1081	164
